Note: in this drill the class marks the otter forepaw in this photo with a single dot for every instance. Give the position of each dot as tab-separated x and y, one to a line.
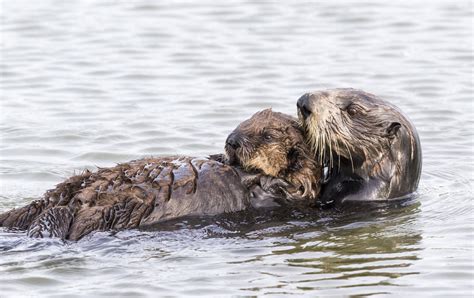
222	158
269	183
285	190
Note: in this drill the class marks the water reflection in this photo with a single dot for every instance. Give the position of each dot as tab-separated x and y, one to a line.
338	251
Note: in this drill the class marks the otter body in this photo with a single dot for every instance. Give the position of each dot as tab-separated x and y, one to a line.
146	192
137	194
372	151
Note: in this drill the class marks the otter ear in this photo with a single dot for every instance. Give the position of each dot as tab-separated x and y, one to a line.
392	129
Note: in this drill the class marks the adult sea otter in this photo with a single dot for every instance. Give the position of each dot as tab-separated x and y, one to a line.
371	150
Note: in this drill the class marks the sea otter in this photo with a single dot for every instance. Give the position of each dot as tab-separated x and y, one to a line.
371	150
263	161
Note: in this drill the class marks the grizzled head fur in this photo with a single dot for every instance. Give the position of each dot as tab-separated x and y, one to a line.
273	143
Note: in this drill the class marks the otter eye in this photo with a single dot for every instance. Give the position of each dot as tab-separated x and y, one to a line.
351	110
267	137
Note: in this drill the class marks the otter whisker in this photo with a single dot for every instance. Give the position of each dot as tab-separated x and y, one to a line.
350	154
321	148
338	154
330	150
325	136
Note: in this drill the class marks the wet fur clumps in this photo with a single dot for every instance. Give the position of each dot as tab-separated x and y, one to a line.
273	144
131	195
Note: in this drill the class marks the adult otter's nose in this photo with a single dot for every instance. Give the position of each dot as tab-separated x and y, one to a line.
233	141
304	106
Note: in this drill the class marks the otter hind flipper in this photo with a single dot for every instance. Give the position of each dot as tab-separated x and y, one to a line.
53	222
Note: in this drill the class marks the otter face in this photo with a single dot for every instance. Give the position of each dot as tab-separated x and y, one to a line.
264	142
273	144
348	123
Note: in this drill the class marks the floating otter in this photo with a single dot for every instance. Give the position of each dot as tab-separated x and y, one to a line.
370	148
146	192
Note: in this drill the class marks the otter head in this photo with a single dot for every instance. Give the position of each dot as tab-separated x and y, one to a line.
356	132
273	144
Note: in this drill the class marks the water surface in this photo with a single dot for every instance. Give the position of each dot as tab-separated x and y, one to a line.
89	83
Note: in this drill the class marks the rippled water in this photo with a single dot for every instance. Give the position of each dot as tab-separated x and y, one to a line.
86	84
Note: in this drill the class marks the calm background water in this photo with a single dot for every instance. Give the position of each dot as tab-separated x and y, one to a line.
87	84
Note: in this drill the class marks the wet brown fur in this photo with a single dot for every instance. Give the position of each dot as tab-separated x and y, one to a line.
274	144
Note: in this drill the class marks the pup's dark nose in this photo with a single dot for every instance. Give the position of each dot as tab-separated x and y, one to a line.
303	105
233	141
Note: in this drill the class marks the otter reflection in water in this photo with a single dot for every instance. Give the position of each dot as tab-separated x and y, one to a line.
371	149
145	192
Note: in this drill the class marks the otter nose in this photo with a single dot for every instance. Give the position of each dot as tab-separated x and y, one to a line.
233	141
303	105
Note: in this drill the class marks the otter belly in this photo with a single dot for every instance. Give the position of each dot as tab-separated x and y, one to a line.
200	187
137	194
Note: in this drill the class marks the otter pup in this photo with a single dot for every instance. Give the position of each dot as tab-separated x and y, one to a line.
149	191
370	148
276	147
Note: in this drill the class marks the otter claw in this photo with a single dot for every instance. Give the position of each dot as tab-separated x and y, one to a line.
269	183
